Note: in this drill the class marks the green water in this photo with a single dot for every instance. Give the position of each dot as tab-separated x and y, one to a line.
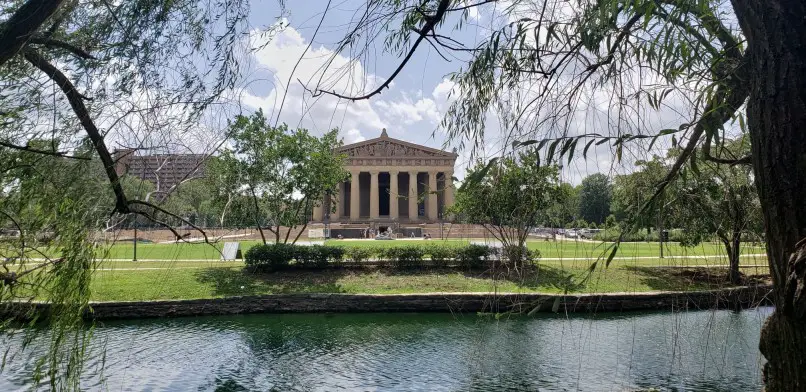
689	351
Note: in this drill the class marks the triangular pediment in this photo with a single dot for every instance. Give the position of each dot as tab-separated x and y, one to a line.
387	147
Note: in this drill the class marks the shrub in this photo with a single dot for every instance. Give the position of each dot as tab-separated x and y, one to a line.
311	257
266	258
335	254
519	255
405	257
473	255
441	255
359	254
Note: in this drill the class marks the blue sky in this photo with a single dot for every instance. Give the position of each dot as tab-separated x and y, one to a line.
411	109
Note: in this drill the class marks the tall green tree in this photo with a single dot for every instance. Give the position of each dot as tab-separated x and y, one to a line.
509	197
632	191
595	194
714	202
284	173
565	208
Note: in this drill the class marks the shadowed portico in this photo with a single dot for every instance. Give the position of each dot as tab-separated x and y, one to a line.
391	180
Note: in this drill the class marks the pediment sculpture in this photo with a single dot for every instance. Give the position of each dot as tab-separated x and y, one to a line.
386	148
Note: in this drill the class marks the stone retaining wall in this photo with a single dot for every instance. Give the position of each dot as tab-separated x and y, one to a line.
734	298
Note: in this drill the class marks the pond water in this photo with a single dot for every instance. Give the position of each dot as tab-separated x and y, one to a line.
688	351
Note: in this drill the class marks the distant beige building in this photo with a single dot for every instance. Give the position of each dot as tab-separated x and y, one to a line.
391	181
162	170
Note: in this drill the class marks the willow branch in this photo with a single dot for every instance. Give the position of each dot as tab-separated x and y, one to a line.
55	43
166	212
428	26
59	154
77	103
728	98
21	26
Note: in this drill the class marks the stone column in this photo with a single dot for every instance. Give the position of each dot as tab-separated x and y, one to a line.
373	195
413	195
355	213
393	203
431	205
338	199
448	196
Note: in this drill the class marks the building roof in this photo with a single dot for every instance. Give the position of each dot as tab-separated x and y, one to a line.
385	146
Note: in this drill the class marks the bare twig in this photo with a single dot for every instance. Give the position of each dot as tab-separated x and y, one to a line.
59	154
428	26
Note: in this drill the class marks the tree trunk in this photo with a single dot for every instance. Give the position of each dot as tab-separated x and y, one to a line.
732	247
776	114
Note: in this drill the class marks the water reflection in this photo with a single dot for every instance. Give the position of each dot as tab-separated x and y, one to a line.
703	350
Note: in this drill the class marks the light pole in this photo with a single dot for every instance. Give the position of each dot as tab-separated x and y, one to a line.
134	258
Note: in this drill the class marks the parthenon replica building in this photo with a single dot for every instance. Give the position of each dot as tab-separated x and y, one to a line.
391	181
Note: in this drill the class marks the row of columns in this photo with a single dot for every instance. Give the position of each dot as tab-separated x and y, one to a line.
432	212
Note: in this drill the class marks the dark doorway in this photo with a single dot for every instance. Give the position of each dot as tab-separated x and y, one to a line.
383	194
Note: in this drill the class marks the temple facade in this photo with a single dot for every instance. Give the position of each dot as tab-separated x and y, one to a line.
391	181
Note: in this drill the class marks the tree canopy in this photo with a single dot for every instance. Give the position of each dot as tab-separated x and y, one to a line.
285	173
594	198
509	197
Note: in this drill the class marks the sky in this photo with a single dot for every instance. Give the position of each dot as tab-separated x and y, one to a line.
294	52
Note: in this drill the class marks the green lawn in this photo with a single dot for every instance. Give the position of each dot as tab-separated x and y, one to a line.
180	280
548	249
183	271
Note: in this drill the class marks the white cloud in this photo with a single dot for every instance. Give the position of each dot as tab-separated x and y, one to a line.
319	66
443	90
409	112
353	136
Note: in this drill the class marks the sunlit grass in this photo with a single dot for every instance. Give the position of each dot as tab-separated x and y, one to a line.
214	280
186	271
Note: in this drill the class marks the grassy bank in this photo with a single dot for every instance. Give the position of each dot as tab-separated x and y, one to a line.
129	281
186	271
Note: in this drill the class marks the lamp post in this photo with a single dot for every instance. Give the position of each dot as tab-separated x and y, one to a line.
134	256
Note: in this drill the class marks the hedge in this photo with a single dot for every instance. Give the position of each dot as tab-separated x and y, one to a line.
276	257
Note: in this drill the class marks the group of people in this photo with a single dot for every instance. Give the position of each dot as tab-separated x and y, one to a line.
369	232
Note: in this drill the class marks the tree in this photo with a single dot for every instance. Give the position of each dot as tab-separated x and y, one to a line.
594	198
509	197
719	200
552	56
48	204
193	200
715	201
632	191
565	208
610	222
284	173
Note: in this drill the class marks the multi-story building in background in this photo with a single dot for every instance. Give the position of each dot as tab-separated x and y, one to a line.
162	170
